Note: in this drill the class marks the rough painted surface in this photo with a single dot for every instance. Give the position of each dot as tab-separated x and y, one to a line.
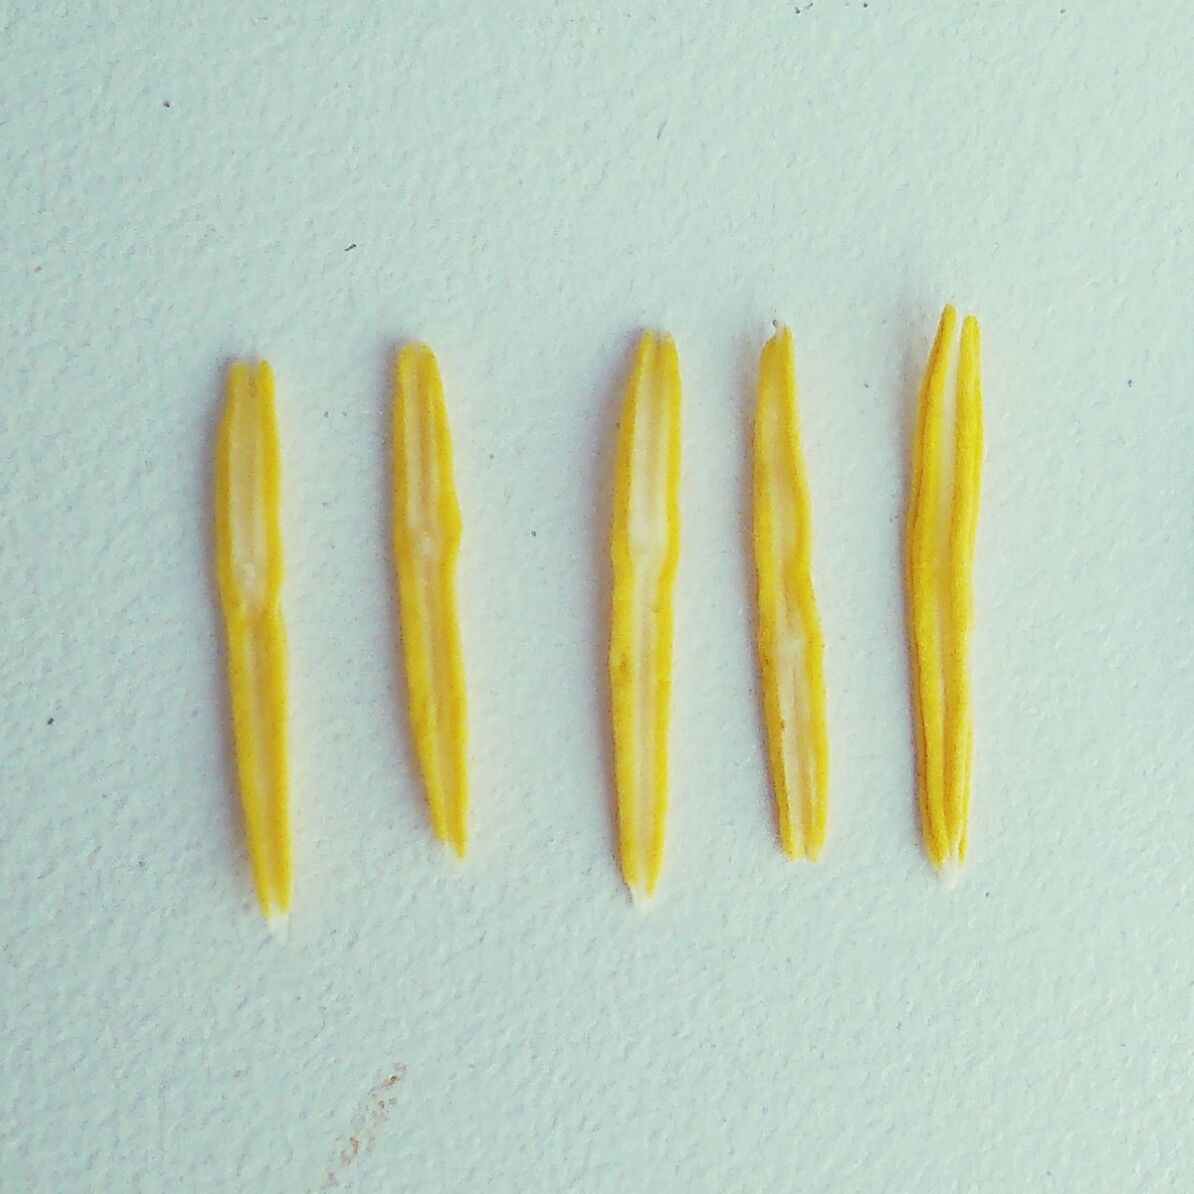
181	184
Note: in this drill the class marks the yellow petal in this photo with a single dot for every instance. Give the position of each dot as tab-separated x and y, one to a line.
789	632
644	549
249	569
939	557
426	527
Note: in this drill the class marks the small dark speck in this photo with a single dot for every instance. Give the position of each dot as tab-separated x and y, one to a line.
326	413
140	864
165	103
661	128
1129	383
351	247
49	721
492	456
534	534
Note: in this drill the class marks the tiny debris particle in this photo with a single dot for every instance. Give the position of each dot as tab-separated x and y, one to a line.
165	103
351	247
49	721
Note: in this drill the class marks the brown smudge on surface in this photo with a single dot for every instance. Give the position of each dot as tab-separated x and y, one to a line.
372	1114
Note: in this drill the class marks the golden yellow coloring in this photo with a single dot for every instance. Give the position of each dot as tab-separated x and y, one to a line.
249	571
789	632
426	527
644	549
942	518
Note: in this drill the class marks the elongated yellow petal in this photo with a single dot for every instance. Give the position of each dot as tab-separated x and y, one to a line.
922	578
968	450
426	545
249	568
942	518
644	549
789	631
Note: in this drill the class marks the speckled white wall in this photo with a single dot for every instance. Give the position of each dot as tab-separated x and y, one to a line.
526	184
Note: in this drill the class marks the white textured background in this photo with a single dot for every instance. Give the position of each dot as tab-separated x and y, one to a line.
526	185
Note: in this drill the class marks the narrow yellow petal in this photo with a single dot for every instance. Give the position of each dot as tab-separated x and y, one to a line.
922	575
939	555
644	549
249	571
790	644
426	529
959	616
